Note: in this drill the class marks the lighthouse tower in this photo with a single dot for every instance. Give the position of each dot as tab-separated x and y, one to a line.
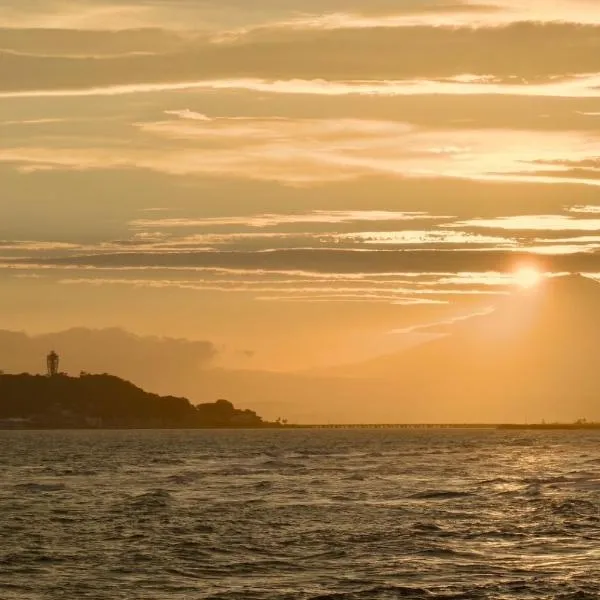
52	361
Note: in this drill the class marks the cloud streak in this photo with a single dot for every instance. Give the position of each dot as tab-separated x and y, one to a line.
527	58
581	86
273	220
321	150
533	223
235	15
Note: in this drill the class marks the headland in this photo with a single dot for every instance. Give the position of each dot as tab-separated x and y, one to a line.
105	401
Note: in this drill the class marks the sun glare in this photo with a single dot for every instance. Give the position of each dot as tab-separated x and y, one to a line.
527	277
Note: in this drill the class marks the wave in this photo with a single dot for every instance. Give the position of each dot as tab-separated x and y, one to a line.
439	495
184	478
150	501
40	487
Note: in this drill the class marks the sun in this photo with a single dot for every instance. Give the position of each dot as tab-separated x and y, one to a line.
527	277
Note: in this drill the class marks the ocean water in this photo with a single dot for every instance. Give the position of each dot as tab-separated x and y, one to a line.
299	514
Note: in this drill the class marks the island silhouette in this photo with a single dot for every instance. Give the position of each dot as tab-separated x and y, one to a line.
105	401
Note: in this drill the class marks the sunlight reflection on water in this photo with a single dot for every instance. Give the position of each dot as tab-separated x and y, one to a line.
299	514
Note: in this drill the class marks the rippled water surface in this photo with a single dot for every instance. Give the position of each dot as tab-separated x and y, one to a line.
355	514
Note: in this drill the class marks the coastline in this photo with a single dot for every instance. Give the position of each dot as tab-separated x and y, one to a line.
274	426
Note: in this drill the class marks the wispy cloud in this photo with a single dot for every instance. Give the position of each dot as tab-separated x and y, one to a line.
581	86
532	223
236	15
358	298
273	220
425	238
28	246
344	261
30	122
441	326
581	209
307	290
318	150
528	58
495	13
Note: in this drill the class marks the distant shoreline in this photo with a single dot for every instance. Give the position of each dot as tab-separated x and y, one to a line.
399	426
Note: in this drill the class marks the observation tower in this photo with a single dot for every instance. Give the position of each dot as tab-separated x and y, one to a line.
52	361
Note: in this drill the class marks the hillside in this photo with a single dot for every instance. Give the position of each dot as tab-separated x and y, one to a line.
106	401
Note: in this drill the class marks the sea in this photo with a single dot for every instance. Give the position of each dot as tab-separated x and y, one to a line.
299	514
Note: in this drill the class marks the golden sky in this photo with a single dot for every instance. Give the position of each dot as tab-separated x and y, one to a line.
294	181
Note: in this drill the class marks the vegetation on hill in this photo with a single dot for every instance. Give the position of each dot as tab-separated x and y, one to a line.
106	401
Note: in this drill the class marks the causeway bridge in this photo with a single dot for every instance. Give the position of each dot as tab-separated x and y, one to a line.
397	426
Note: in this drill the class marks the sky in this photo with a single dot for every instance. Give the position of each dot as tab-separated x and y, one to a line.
292	184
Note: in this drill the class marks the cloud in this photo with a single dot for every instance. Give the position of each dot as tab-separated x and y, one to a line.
188	114
300	151
588	175
589	163
140	358
424	238
36	246
581	86
369	288
426	292
222	16
362	298
441	13
441	327
66	42
325	260
273	220
532	223
334	275
409	238
584	209
521	58
588	168
30	122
